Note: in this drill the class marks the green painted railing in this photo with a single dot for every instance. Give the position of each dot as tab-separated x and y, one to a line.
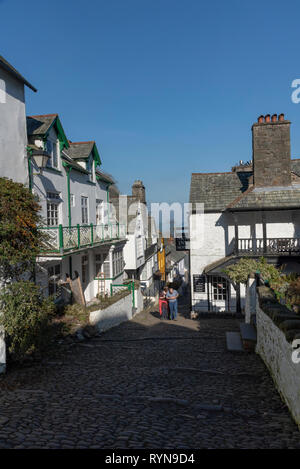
60	239
130	286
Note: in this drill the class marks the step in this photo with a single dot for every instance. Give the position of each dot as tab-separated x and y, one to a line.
248	332
234	342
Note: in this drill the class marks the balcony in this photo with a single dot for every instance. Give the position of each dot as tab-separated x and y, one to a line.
268	247
61	239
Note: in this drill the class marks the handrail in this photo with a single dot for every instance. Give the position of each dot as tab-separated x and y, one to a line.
286	245
65	238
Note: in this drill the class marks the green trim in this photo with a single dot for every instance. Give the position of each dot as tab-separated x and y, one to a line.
64	142
61	238
68	170
29	151
96	155
68	164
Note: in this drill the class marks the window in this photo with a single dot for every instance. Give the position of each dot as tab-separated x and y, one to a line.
102	265
54	274
99	211
52	149
219	287
84	210
72	200
84	269
53	201
118	262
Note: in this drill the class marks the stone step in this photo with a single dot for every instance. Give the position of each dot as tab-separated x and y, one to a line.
234	342
248	332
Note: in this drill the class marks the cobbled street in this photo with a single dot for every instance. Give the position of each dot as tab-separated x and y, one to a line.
147	384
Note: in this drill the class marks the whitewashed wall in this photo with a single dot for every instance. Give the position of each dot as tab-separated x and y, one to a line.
13	136
117	313
276	352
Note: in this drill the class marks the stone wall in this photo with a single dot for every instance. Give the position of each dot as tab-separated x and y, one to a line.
118	312
276	351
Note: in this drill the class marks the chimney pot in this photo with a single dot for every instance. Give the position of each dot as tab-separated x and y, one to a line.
281	117
260	119
274	118
267	118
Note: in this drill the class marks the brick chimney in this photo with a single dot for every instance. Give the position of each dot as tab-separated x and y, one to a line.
271	151
138	191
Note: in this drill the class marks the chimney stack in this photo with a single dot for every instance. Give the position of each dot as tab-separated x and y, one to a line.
271	151
138	191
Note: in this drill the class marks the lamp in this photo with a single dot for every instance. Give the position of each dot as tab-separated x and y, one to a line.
40	157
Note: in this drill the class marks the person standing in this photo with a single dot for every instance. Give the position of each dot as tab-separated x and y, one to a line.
163	304
172	296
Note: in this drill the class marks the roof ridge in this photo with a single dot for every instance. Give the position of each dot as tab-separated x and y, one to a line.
224	172
43	115
79	143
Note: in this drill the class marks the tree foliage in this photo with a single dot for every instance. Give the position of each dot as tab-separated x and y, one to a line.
20	241
25	316
239	272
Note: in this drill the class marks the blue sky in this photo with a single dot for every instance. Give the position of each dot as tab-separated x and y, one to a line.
165	87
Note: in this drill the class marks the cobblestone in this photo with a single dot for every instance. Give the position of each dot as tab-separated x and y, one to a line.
127	389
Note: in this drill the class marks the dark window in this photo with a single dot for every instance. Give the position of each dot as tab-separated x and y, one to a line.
219	287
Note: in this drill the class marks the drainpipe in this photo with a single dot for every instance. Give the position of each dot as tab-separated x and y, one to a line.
68	171
107	199
29	153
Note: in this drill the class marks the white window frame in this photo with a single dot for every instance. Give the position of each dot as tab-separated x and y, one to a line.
102	265
53	207
117	262
53	279
52	147
84	210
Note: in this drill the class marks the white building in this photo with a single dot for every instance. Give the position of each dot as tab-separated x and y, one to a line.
83	238
140	251
253	210
13	136
175	265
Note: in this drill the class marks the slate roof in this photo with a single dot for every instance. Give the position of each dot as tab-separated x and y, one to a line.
171	252
149	251
39	125
105	177
217	190
80	150
72	163
235	191
269	198
9	68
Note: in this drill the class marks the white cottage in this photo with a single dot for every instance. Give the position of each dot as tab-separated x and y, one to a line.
73	192
253	210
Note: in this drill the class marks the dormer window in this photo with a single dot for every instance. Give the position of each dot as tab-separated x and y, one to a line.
90	168
52	148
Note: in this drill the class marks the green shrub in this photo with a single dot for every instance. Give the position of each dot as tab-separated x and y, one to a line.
25	316
240	271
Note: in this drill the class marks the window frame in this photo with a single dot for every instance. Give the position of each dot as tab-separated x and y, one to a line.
84	210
